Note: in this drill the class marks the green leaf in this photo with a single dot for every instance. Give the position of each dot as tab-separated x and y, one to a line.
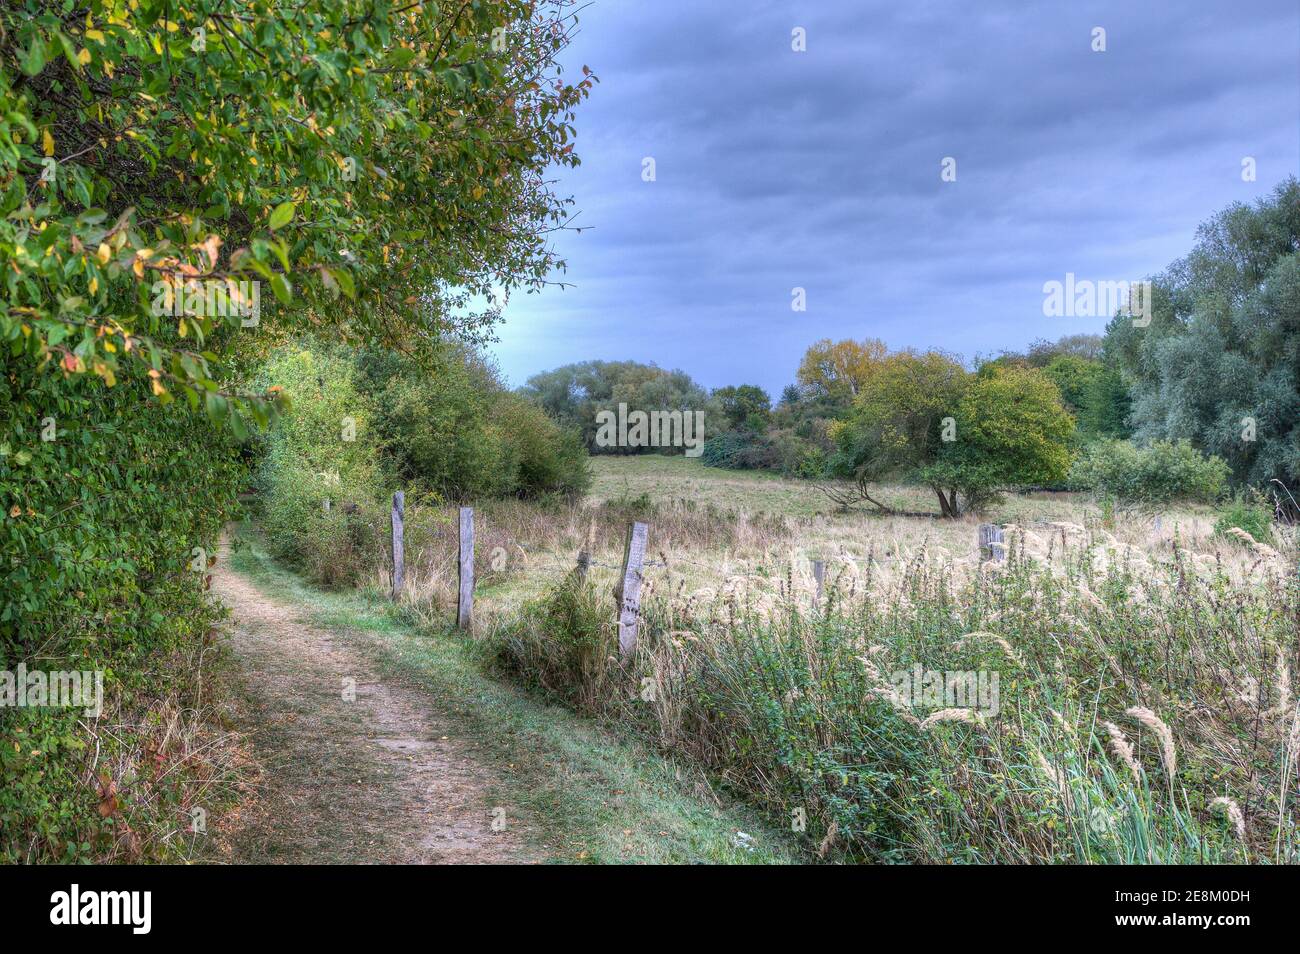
283	290
344	279
282	215
34	58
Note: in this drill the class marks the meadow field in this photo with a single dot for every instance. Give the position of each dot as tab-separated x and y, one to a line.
707	525
1141	660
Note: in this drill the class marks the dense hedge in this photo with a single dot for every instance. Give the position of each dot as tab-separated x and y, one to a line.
100	521
1158	473
364	424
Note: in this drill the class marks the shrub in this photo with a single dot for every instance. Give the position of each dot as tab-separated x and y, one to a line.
326	446
735	450
1251	512
1158	473
540	457
105	498
561	643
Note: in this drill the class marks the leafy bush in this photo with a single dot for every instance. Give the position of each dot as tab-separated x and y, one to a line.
363	425
456	432
112	506
326	447
1158	473
1251	512
539	458
737	450
561	643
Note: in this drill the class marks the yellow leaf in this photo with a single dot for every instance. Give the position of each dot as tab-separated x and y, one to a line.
47	142
95	35
104	253
94	284
157	44
84	56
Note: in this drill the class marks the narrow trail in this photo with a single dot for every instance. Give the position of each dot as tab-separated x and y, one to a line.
381	778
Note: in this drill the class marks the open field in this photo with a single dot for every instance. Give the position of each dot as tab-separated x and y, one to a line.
709	524
1145	662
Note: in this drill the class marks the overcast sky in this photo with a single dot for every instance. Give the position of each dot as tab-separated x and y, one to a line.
821	169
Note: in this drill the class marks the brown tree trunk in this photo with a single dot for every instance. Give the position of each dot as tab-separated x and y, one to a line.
945	509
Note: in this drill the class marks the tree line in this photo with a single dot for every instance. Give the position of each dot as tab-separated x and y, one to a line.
1202	397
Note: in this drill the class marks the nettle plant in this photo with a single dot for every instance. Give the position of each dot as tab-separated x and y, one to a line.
378	167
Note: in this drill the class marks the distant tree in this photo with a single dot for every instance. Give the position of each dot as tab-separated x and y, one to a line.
575	393
745	405
1074	377
790	395
922	418
1042	352
839	369
895	427
1011	430
1219	363
1105	409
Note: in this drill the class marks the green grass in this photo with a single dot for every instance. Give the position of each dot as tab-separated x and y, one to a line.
667	478
596	797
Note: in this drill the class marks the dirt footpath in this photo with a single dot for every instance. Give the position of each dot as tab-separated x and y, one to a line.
378	776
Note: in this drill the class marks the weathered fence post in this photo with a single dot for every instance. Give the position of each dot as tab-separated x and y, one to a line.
629	590
399	558
584	555
465	607
990	543
325	505
819	574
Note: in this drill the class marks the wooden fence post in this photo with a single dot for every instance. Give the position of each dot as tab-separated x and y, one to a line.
465	606
399	557
819	574
990	543
325	505
584	555
629	590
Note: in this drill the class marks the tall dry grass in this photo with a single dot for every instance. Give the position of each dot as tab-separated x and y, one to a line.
1146	704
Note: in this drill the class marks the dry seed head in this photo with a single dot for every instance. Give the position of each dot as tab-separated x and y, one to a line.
1123	749
1056	777
1168	754
951	715
1235	816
